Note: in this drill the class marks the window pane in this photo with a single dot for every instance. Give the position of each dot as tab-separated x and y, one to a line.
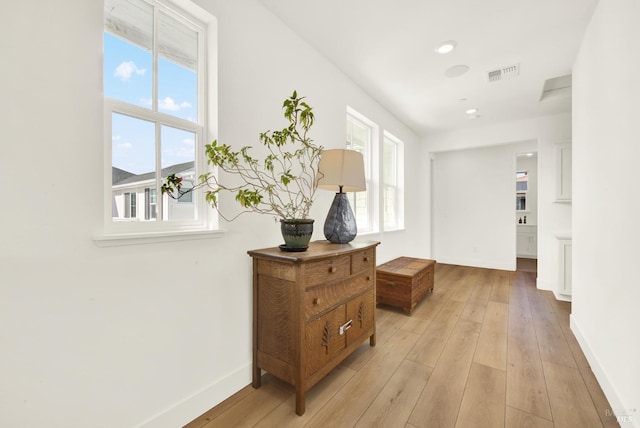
178	157
357	136
150	204
128	69
390	182
177	69
133	147
359	139
132	206
390	204
389	163
127	205
359	203
133	162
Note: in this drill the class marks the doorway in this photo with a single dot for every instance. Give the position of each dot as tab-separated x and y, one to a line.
526	211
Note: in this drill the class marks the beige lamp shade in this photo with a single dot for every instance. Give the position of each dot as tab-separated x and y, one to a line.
342	168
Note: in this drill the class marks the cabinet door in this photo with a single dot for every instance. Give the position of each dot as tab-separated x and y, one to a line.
323	340
565	267
563	172
525	244
360	312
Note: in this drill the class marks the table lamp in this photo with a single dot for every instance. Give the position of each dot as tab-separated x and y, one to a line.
341	170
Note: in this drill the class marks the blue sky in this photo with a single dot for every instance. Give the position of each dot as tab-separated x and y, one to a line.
128	76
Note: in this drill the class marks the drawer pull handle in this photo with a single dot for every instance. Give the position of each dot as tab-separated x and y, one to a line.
365	259
316	301
368	278
332	269
346	326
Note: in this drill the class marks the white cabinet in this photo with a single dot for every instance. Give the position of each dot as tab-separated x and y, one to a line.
527	241
564	286
563	172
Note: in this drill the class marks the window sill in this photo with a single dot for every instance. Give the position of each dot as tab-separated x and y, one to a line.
121	239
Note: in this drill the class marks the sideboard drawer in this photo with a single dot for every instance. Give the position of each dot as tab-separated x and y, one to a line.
362	261
323	297
327	270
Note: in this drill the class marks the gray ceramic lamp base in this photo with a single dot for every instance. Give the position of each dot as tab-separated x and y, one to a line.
340	226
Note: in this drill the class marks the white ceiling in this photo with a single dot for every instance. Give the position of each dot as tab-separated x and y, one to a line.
387	47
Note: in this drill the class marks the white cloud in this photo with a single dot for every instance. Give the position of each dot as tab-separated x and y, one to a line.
185	153
126	69
124	146
169	104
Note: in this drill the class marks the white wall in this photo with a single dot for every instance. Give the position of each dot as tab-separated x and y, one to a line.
552	217
606	292
118	336
473	206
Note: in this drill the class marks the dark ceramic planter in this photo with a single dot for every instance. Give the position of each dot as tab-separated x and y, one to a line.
296	233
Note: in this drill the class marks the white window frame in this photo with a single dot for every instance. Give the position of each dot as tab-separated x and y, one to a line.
204	223
371	167
397	223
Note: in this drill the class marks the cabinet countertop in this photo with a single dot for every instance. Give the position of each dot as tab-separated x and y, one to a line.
317	249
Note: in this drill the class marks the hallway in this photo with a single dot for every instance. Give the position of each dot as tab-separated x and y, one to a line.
486	349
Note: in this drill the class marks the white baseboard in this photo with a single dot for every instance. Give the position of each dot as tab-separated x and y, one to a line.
189	408
488	264
563	297
543	285
609	391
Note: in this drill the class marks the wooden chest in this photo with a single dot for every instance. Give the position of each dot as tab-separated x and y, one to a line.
311	310
404	281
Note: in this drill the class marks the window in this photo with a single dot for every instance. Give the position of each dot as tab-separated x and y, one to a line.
392	182
384	174
150	204
155	70
522	186
361	134
130	210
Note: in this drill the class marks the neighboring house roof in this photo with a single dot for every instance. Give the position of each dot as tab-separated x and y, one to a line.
120	176
117	175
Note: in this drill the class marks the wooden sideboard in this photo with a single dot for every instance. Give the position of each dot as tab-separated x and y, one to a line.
311	310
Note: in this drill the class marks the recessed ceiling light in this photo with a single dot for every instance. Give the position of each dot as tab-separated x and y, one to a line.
529	154
446	47
471	111
456	70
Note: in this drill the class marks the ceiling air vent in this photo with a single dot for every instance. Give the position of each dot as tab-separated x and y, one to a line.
503	73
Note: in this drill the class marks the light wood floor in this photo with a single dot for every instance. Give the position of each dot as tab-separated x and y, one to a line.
486	349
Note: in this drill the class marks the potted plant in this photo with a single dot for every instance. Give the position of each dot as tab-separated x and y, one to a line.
282	184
